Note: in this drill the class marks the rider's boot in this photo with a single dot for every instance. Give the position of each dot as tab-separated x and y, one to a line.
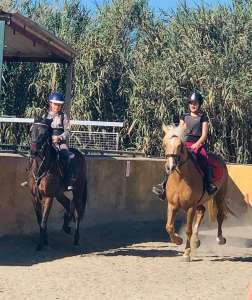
71	175
210	186
159	189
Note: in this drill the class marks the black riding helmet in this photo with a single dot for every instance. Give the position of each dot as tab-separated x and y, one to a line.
56	98
196	97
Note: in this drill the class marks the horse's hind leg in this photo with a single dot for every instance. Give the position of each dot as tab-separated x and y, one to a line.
221	214
78	208
65	202
171	213
195	241
76	217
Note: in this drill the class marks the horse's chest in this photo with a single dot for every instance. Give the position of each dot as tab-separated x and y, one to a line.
48	185
179	193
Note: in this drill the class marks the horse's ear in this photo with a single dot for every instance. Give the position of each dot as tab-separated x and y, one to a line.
48	121
37	119
165	128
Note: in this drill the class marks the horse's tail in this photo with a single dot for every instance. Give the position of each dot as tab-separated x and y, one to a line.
83	199
83	196
212	210
219	198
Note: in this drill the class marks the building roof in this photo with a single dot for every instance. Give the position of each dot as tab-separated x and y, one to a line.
25	40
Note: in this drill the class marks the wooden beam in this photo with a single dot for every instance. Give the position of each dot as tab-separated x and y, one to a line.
68	91
35	38
14	58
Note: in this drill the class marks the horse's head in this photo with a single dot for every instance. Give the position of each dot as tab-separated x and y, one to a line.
175	150
40	136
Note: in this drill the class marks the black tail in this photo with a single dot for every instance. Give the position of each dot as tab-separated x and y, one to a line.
83	199
81	187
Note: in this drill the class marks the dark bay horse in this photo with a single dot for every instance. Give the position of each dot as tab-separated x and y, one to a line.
185	190
46	182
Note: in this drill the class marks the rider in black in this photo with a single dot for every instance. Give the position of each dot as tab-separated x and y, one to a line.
196	128
61	133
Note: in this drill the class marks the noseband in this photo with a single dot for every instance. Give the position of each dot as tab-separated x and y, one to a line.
175	156
41	153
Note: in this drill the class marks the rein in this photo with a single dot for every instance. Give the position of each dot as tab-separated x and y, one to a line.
178	160
38	177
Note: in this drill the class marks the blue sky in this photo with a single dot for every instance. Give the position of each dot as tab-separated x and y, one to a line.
171	4
163	4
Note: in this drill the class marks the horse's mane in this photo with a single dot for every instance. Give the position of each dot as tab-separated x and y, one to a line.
173	131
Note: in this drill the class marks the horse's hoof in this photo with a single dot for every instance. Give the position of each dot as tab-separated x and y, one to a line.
186	258
177	240
195	242
221	240
39	247
76	246
67	229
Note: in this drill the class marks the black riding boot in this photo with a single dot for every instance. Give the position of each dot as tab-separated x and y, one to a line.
159	189
71	177
210	186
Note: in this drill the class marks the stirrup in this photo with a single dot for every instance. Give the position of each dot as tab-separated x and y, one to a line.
159	191
211	188
70	188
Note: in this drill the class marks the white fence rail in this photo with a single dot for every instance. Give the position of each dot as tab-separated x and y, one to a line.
85	135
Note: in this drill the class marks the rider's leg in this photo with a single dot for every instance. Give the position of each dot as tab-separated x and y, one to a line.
210	186
203	162
71	174
70	169
159	189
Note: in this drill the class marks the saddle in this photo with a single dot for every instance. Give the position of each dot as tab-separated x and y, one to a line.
216	166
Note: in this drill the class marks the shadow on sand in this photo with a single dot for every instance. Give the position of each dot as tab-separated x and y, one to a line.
20	250
234	259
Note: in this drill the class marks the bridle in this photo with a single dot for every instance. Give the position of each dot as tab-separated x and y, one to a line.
178	160
177	157
41	153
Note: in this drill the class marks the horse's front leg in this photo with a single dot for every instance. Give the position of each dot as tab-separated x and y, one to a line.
171	213
200	212
220	218
189	222
38	210
46	207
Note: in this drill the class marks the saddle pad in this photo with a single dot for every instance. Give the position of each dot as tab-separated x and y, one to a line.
217	168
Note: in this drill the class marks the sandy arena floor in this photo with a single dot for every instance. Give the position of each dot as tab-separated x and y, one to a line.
127	261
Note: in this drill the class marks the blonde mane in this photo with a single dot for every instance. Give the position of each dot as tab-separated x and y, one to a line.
171	131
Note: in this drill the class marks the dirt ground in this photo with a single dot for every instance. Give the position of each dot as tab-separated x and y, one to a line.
127	261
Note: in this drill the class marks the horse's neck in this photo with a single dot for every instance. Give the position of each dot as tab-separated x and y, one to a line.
44	162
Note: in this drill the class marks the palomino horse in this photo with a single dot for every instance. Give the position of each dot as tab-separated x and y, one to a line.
185	190
46	182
